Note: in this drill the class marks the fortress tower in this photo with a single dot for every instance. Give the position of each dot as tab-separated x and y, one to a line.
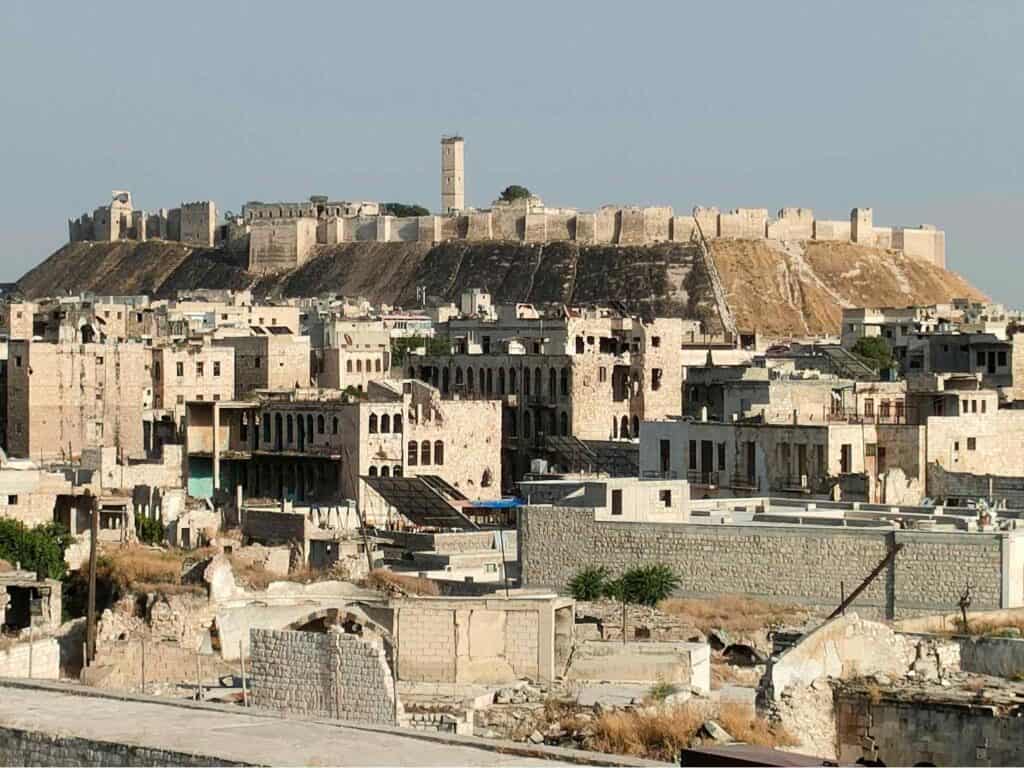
453	180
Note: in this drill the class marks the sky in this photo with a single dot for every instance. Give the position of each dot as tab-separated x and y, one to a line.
913	109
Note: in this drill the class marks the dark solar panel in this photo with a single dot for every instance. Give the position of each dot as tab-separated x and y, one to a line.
421	503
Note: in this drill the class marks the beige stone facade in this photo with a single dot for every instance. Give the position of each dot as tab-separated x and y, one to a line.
316	445
193	370
64	397
266	360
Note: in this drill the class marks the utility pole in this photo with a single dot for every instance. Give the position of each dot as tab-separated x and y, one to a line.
90	625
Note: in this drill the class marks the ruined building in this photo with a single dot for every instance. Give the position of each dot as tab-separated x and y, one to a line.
193	223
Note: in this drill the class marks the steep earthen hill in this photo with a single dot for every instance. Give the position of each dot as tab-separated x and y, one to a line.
776	289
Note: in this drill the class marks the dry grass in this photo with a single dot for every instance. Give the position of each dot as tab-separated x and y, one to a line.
737	721
733	613
656	736
131	567
659	735
389	581
994	628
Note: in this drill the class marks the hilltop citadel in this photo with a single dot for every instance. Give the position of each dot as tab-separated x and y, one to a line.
283	235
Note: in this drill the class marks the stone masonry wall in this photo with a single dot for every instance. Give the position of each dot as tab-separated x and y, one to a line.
22	747
799	564
426	645
14	661
326	675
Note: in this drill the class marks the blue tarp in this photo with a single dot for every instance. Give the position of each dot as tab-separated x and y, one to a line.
498	504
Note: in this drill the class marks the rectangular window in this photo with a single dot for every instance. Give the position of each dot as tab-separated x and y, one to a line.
199	369
179	369
602	372
216	367
656	341
17	361
974	406
665	497
721	457
983	403
216	397
1002	359
693	455
256	362
869	408
981	358
12	499
656	379
972	443
845	458
617	501
665	450
181	399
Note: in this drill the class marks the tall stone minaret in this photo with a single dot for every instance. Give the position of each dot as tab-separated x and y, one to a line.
453	180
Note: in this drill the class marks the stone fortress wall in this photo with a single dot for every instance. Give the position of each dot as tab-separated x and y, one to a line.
192	223
283	236
286	241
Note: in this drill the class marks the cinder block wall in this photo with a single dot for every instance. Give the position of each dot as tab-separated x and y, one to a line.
800	564
321	674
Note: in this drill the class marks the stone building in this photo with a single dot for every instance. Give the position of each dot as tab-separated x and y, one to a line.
591	375
271	357
193	224
191	370
353	353
315	445
63	397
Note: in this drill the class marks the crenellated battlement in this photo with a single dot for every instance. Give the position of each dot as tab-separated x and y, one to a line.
193	223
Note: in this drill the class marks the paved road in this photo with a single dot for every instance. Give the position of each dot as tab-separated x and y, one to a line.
237	735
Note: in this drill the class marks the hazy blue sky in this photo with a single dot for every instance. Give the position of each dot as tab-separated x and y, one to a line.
913	109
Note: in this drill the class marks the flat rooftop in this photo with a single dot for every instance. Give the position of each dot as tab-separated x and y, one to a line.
255	737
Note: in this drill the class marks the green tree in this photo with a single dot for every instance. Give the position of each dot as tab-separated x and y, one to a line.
514	192
649	584
403	210
150	530
874	351
39	549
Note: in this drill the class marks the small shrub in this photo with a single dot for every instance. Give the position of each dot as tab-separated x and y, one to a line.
649	584
662	690
589	583
149	530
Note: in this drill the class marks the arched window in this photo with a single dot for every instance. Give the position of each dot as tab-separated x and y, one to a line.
376	367
565	423
526	382
554	424
334	426
266	428
615	428
291	429
552	384
385	471
527	421
397	424
396	471
469	378
412	373
565	382
319	423
412	454
624	428
369	365
512	384
425	453
490	381
385	423
348	366
513	426
537	388
636	427
278	430
501	381
309	425
373	472
359	366
444	381
438	453
373	423
458	376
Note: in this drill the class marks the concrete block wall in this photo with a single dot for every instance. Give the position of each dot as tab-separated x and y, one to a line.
45	659
928	575
426	645
522	642
328	674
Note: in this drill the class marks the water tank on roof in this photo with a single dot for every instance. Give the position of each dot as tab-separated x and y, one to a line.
539	467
